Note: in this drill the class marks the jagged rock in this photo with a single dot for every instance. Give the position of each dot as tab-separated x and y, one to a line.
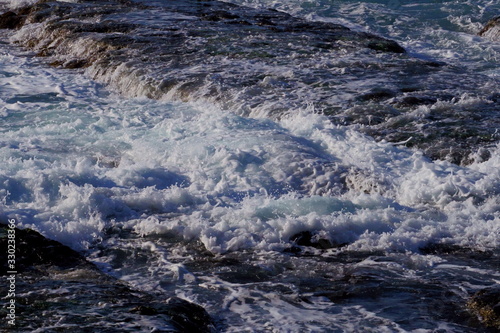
492	29
440	249
186	316
486	305
443	249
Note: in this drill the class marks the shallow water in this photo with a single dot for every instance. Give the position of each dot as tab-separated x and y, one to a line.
209	203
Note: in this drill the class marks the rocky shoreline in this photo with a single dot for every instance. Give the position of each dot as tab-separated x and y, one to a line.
266	62
57	287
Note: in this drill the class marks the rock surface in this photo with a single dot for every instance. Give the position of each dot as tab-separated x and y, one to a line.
265	62
486	305
55	285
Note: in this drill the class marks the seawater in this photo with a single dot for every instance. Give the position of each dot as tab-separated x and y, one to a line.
190	200
438	30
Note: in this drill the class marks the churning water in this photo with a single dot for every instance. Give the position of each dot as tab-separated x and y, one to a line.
270	212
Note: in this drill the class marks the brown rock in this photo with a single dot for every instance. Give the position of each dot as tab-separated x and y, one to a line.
492	29
486	305
11	20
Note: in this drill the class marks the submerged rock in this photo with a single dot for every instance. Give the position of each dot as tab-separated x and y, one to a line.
492	29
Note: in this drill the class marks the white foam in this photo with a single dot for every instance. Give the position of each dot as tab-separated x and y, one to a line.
75	162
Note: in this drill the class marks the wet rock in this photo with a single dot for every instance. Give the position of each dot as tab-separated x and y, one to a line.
486	305
456	251
377	94
101	27
53	279
186	316
35	252
211	50
492	29
307	238
293	250
385	45
410	101
76	63
244	273
11	20
219	15
441	248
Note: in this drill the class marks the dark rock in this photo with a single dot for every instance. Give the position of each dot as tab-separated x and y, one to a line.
443	249
53	279
244	273
101	27
438	248
34	251
495	98
71	64
77	63
486	305
385	45
219	15
303	238
293	249
341	71
11	20
409	101
144	310
377	94
186	316
492	29
307	238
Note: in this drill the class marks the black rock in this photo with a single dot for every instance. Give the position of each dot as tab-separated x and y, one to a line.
186	316
307	238
34	251
439	249
11	20
51	279
377	94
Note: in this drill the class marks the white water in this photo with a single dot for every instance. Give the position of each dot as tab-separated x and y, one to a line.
76	159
